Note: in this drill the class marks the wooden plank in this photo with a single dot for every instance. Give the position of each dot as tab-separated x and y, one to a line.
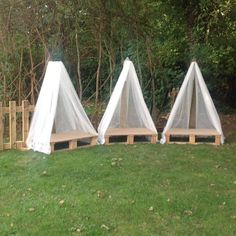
5	110
72	135
25	120
129	131
192	138
6	146
12	123
167	138
72	144
192	133
1	127
123	107
130	139
31	108
203	132
93	141
154	139
217	139
107	139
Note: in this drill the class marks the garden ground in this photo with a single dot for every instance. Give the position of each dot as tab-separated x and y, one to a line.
141	189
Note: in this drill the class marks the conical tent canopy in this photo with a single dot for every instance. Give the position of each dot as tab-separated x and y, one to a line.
58	108
193	108
126	108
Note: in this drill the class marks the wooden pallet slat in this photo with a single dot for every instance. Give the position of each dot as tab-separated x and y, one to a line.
72	138
130	134
192	134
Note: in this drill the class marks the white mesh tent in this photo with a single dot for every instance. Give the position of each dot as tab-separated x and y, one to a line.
193	109
58	110
126	112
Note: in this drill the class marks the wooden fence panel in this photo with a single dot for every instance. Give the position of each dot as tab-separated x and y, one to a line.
24	124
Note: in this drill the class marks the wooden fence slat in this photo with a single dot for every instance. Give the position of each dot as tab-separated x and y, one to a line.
12	123
1	127
25	119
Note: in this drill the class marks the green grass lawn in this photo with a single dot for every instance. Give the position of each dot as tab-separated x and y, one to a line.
139	189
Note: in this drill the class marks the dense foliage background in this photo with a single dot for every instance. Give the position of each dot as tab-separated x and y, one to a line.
93	38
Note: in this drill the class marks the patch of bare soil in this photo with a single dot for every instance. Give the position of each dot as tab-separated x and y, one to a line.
228	123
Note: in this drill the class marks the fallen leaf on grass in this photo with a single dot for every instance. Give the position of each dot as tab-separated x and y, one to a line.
32	209
222	205
100	194
188	212
105	227
151	208
61	202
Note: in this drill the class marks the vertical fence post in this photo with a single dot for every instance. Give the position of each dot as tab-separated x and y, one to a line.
25	120
1	127
12	123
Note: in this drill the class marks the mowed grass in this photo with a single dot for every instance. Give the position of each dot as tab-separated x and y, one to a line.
139	189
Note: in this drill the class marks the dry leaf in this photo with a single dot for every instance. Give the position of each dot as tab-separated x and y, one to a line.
61	202
31	209
151	208
188	212
104	227
100	194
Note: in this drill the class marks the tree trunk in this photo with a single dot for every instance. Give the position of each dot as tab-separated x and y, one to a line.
80	89
98	77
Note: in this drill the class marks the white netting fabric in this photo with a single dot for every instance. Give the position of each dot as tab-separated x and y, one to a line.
58	105
204	112
126	108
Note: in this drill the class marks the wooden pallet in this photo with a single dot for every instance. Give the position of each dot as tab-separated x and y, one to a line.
192	134
130	134
72	138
